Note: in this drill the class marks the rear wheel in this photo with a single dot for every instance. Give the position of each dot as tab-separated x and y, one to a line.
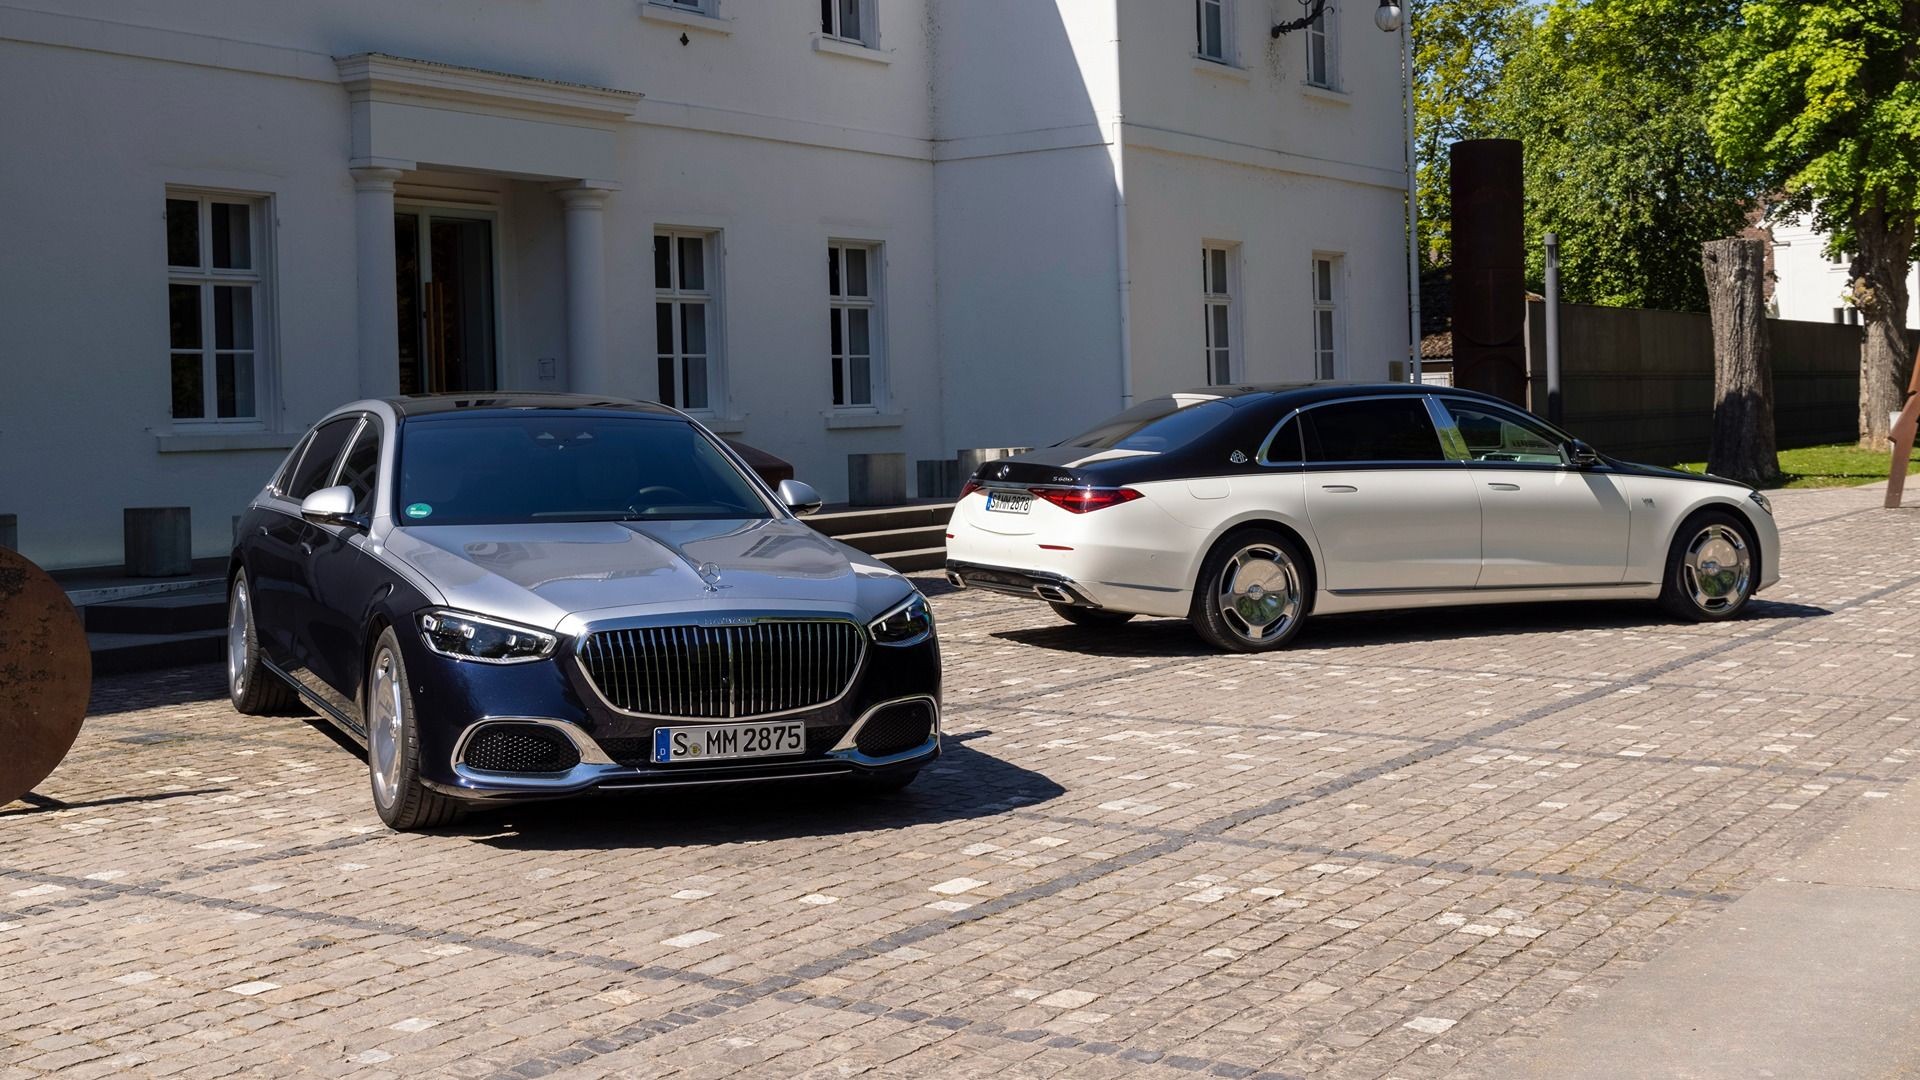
1711	568
393	746
1252	592
1086	616
254	690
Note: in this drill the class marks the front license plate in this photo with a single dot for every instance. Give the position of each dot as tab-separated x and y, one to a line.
1002	502
724	742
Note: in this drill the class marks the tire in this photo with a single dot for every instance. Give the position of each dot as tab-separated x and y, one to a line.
1235	591
393	746
1712	565
1086	616
251	686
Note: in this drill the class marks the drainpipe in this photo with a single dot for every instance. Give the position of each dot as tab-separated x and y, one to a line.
1120	226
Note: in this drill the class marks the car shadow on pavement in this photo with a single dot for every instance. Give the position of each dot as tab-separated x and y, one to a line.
1173	637
963	784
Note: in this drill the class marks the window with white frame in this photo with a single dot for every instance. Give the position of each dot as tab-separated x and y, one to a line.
1218	278
1327	361
853	309
1322	49
216	285
686	314
848	20
1213	28
698	7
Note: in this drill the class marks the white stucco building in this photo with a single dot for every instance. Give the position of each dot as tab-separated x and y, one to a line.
829	227
1810	285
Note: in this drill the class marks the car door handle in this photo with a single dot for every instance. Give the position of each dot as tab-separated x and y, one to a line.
1504	487
306	548
1342	488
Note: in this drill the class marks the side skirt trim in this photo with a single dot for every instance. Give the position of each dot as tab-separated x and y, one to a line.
334	716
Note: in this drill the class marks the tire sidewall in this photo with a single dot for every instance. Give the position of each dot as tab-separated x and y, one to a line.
406	746
1207	619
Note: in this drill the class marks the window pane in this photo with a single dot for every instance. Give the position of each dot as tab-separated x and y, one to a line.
861	376
1216	270
1219	313
663	329
839	347
183	232
183	316
696	377
1323	330
1286	443
662	262
856	272
833	267
1383	429
850	20
693	329
360	469
1323	280
666	382
317	464
839	390
1317	59
857	336
233	384
232	317
1211	38
188	401
232	236
826	16
1221	370
693	269
1492	436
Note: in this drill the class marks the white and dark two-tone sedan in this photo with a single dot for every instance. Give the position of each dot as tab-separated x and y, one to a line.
1246	509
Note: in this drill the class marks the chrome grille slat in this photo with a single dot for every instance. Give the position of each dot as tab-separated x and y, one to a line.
723	672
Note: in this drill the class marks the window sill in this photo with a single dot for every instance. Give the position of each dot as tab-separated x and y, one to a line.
1326	94
692	20
852	50
1207	65
723	425
854	421
218	442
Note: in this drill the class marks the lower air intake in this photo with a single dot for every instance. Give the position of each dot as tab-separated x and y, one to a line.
896	729
521	748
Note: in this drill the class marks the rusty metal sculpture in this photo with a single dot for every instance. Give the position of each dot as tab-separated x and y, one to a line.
1902	436
46	675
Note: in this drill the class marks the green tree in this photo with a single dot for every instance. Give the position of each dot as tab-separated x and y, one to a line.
1460	49
1822	98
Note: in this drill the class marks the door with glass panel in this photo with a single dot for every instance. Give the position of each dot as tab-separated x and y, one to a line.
683	318
444	268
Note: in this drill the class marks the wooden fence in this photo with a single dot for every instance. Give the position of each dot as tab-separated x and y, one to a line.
1639	384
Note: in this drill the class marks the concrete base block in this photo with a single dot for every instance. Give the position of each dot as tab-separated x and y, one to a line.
10	532
158	540
938	479
876	479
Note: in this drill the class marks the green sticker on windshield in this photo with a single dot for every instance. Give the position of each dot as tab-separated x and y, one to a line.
419	510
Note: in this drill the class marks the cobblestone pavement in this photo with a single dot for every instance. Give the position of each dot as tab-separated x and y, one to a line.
1391	851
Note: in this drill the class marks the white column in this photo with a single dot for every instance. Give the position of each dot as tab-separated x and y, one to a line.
379	312
590	370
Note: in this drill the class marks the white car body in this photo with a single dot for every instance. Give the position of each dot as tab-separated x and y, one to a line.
1379	536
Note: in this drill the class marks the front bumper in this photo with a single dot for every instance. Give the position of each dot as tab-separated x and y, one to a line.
454	700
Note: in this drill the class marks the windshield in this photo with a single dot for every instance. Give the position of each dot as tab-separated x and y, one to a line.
556	466
1157	425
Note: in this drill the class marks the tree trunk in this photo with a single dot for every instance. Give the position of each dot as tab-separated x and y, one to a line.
1878	287
1743	441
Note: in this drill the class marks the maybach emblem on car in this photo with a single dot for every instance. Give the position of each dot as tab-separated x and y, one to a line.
1237	458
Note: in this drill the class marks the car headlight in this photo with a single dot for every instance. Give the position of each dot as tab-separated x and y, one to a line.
470	637
908	624
1761	501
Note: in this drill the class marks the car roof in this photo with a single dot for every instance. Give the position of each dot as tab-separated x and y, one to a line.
416	406
1298	394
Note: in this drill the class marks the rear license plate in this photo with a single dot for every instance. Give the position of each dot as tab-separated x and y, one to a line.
1004	502
724	742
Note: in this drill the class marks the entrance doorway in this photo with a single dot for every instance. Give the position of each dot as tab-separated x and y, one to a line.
444	269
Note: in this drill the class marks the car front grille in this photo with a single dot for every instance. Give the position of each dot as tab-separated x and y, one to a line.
895	729
723	672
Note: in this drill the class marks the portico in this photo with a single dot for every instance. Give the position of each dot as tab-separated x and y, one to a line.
431	144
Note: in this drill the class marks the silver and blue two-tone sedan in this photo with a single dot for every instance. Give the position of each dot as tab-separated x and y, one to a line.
530	595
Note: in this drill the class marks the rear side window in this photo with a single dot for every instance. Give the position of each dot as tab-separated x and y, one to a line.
316	465
360	469
1379	429
1285	446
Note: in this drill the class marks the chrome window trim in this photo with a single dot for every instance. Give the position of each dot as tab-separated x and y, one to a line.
861	636
1260	456
1425	397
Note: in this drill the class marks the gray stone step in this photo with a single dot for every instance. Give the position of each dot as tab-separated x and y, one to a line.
886	541
119	654
839	523
908	562
167	613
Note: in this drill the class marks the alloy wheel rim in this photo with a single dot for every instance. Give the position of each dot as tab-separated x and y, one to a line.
383	726
1717	569
237	619
1259	593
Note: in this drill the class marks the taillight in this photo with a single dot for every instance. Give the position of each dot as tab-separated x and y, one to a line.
969	488
1082	500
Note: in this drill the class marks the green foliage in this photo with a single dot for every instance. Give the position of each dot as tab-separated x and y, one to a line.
1844	465
1460	49
1821	98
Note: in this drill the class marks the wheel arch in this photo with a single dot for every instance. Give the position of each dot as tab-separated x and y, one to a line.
1302	537
1733	509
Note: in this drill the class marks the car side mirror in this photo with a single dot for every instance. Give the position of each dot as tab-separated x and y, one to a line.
800	498
1580	455
332	506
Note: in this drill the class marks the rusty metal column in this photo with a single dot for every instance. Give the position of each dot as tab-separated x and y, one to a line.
1489	269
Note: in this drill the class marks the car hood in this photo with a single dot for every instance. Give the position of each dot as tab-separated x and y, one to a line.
544	574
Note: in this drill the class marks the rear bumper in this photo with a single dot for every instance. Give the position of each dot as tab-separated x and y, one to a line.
1036	584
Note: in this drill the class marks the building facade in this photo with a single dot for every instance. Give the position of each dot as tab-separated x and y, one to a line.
1811	285
832	228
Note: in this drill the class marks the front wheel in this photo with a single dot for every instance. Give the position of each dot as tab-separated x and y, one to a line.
1710	568
393	746
1252	592
1087	616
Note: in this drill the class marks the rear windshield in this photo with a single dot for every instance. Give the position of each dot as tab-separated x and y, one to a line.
556	466
1158	425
